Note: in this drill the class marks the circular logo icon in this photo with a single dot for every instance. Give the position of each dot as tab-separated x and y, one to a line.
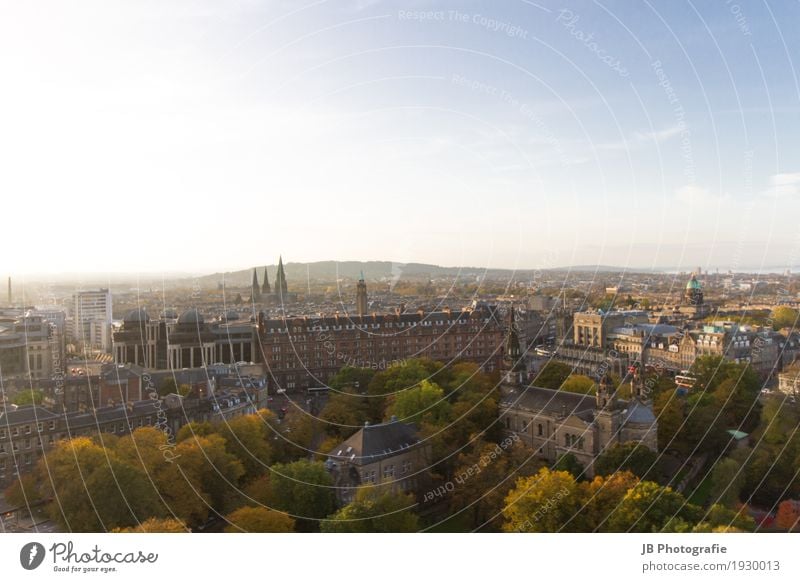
31	555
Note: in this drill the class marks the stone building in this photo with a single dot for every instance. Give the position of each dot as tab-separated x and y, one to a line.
554	423
388	455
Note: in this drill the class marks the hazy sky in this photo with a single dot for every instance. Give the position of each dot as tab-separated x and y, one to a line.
205	135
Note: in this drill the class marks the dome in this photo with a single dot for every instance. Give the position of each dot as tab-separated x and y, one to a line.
693	283
191	317
136	316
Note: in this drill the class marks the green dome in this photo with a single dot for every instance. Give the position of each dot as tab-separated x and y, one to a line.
693	283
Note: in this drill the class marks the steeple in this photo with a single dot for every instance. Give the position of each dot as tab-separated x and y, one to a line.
265	286
256	288
512	356
606	393
361	296
280	279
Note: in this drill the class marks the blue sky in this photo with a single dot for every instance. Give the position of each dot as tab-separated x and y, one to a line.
205	135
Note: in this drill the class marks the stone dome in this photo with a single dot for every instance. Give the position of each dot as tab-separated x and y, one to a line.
191	317
138	315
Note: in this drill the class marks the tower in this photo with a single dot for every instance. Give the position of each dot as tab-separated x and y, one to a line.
256	291
265	290
512	356
281	288
608	416
694	291
361	296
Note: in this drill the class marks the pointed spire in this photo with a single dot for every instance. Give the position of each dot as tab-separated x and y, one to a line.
265	290
256	288
280	279
514	364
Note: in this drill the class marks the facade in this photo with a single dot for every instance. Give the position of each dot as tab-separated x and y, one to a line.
30	347
789	380
91	318
388	455
304	352
554	423
591	328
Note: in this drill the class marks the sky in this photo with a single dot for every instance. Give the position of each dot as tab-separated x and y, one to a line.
200	136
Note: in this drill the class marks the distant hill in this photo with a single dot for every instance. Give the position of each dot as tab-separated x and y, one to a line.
383	270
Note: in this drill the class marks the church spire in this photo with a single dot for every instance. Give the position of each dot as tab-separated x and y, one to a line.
256	288
280	279
514	365
265	286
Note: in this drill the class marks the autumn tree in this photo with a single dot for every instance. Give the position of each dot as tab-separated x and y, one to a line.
155	525
258	520
546	502
578	384
375	510
552	375
788	516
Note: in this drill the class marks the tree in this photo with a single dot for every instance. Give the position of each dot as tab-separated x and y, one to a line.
578	384
258	520
28	397
424	402
358	379
247	439
648	507
784	317
168	386
344	413
375	510
552	375
727	479
303	489
602	495
788	516
567	462
630	456
23	492
480	483
155	525
546	502
96	491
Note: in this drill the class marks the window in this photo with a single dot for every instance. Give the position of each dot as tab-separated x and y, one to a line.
388	472
540	432
27	429
52	425
2	433
40	426
15	431
566	440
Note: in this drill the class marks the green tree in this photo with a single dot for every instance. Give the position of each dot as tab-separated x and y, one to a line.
727	479
375	510
27	397
631	456
569	463
578	384
552	375
344	413
304	490
648	507
424	402
480	483
258	520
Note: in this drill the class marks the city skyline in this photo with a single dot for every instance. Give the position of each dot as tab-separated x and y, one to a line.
523	136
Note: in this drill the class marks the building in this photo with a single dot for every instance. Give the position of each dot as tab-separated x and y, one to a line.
30	347
555	423
389	455
305	352
591	328
789	380
278	294
91	318
361	296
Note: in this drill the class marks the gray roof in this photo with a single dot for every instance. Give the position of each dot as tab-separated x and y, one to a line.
639	413
534	399
375	442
